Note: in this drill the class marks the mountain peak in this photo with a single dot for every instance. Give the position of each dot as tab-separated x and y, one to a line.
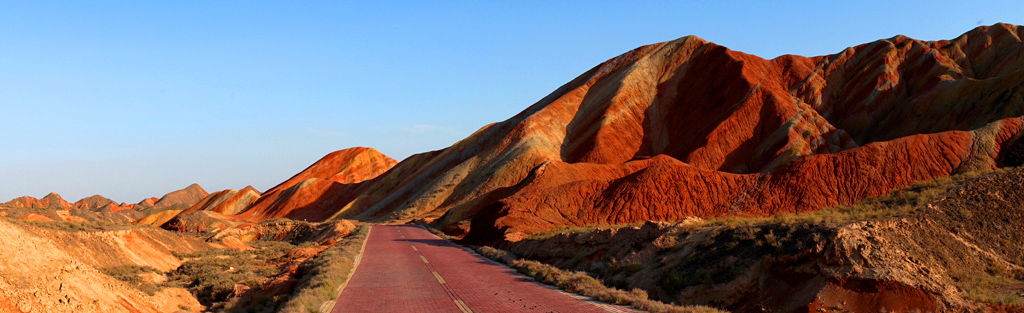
187	196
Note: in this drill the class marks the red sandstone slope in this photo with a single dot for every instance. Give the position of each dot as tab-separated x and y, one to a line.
228	202
320	190
93	202
148	201
188	196
688	127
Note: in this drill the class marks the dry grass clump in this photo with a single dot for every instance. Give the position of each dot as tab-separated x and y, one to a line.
497	254
583	284
211	275
996	284
326	274
564	230
993	289
75	226
898	202
130	274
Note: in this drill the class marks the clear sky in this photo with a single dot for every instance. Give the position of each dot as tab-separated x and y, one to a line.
133	99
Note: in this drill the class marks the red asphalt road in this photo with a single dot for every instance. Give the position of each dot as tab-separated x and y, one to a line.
407	269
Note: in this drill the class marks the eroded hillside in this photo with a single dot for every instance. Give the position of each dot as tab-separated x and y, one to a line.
50	270
690	128
945	246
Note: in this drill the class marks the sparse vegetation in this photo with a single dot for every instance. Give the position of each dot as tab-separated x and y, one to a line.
497	254
583	284
211	275
130	274
75	226
326	274
578	229
995	284
993	289
947	221
898	202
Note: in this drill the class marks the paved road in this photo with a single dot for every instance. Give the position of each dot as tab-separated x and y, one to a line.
408	269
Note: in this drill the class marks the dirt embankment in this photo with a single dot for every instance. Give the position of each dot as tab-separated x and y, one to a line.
146	246
942	247
48	270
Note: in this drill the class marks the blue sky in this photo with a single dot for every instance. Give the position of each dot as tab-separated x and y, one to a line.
133	99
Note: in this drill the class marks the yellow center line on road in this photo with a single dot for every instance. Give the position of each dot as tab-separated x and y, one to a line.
455	298
462	306
438	276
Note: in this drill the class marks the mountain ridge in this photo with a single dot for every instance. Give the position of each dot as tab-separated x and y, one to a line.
691	128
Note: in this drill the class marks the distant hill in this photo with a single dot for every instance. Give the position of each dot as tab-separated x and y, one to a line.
188	196
51	200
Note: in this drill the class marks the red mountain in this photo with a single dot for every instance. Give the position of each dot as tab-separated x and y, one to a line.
188	196
322	189
93	202
227	202
691	128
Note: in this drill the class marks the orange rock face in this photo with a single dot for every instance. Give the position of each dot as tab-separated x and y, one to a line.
32	217
188	196
228	202
688	127
691	128
319	191
149	201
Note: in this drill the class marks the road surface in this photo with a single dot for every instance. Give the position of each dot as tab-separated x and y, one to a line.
407	269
